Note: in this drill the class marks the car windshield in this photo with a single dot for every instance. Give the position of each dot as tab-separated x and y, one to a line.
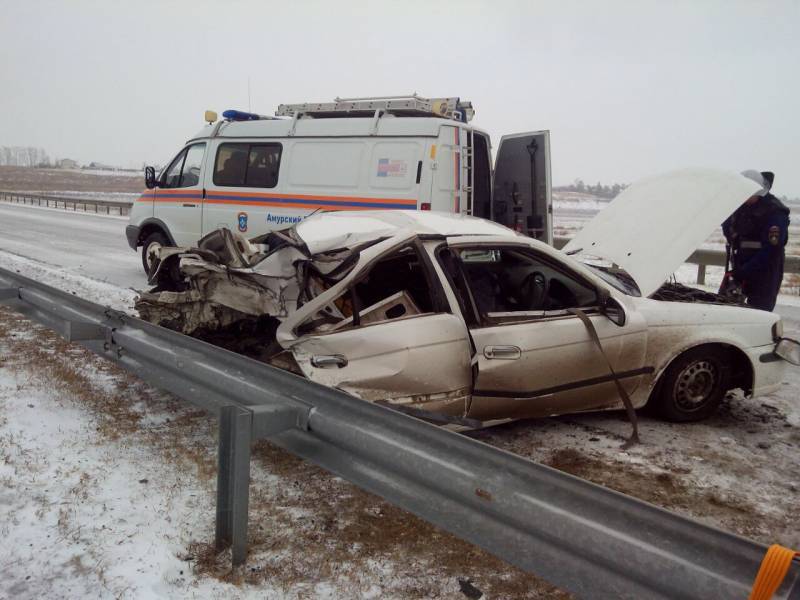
620	281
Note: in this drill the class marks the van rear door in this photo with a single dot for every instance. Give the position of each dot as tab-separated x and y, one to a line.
521	189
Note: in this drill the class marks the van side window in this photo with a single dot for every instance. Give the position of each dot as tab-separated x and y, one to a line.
190	175
172	176
247	165
184	171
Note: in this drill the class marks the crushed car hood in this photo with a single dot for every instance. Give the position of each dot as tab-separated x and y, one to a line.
653	226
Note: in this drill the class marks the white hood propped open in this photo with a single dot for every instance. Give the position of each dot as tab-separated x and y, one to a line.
653	226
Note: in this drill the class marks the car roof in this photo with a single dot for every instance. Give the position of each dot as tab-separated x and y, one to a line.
330	127
333	230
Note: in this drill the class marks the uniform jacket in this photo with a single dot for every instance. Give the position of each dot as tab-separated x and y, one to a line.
758	234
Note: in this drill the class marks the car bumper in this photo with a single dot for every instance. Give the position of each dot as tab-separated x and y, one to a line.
769	369
132	233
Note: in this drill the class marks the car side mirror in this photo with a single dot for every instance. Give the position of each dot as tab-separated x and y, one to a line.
150	178
611	308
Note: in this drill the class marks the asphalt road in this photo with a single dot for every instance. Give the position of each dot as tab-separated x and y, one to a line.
83	243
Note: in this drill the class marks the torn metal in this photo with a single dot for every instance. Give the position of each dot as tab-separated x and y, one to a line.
228	279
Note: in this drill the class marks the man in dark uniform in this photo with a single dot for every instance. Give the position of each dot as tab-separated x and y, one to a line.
757	234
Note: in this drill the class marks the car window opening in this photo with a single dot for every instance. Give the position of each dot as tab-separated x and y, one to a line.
504	281
394	287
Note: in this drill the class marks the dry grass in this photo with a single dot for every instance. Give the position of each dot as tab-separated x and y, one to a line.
343	531
56	180
666	489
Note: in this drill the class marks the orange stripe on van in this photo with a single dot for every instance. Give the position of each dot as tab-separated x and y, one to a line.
215	193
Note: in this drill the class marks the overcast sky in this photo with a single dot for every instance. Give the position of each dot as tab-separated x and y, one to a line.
627	88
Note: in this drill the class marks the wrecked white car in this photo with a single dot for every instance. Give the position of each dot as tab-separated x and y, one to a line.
465	318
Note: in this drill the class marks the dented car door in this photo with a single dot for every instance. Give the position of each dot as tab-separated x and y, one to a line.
535	357
386	333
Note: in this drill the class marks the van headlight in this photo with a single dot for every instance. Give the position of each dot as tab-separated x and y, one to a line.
777	330
788	350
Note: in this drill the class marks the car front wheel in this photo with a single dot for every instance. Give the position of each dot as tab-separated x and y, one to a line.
693	385
150	246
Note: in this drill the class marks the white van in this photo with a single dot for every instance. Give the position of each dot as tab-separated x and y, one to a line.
252	173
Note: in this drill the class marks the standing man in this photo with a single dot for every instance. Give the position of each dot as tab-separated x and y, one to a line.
757	234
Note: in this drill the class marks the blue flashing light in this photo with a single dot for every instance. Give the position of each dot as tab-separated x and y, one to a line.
238	115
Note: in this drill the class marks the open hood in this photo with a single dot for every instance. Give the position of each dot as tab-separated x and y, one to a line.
653	226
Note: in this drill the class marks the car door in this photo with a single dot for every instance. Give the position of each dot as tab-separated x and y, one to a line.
386	335
521	190
179	195
535	358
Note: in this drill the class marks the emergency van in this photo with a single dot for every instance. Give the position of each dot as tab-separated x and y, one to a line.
253	173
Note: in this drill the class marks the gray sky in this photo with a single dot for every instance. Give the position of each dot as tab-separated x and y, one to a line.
627	88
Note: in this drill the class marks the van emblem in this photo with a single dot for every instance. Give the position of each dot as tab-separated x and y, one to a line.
392	168
242	218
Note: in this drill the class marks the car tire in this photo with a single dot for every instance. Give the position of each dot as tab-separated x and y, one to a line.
693	385
152	242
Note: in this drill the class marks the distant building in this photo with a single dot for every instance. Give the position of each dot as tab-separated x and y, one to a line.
101	167
67	163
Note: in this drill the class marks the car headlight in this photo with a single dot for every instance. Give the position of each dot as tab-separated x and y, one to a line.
777	330
788	350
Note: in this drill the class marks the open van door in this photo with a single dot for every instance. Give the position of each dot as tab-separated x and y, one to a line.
521	188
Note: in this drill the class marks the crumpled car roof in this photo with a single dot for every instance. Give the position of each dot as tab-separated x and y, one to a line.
329	231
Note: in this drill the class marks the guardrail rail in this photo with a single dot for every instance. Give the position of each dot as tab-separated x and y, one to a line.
582	537
121	208
705	258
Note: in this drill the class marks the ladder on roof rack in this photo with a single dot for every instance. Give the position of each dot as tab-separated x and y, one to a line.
413	106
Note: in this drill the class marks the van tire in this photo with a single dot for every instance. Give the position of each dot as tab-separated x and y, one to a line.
693	385
151	243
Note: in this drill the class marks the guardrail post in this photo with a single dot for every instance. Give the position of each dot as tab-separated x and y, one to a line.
701	274
233	481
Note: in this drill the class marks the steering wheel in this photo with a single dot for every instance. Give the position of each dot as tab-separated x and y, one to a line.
534	291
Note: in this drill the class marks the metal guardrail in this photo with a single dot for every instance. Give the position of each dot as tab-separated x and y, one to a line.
706	258
122	208
582	537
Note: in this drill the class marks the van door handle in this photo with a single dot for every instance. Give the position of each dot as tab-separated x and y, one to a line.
190	205
328	361
502	352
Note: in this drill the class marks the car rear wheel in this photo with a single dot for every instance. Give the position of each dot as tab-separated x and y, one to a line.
693	385
150	246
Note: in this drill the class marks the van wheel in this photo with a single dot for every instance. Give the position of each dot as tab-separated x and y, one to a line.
150	246
693	385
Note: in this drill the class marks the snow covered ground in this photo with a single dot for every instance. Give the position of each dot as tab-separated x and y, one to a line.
107	486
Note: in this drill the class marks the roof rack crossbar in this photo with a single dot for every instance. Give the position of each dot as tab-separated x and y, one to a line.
447	108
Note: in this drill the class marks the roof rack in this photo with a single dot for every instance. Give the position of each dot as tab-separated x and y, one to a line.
409	106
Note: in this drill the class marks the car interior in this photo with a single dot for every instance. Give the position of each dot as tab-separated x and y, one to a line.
509	280
396	286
